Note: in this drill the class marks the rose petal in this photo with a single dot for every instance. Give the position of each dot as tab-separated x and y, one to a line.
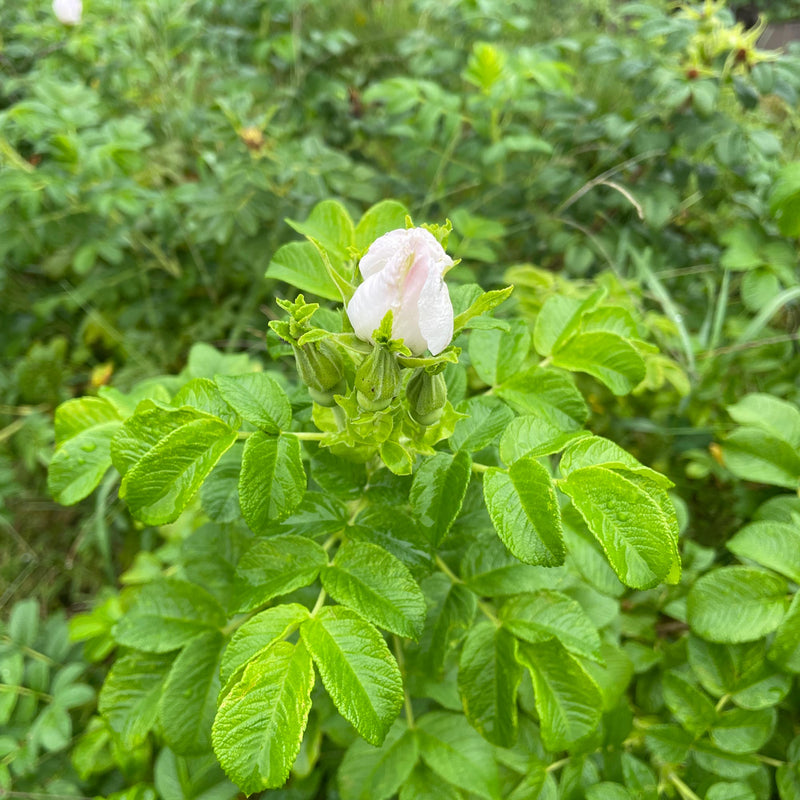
370	302
435	314
382	250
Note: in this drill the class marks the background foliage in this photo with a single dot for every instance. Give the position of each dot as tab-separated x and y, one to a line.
148	160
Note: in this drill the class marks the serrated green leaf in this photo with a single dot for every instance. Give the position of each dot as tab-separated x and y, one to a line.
376	773
775	545
79	463
258	398
219	494
130	695
608	791
258	633
161	483
546	393
451	611
787	777
584	551
486	418
485	302
424	784
378	586
668	743
488	679
559	315
726	765
754	455
81	414
688	704
524	510
742	731
438	490
630	526
300	265
545	615
567	700
330	224
736	604
166	614
592	451
189	700
497	355
272	481
534	436
140	433
457	753
204	395
388	215
606	356
277	565
357	669
731	791
785	648
739	670
777	417
260	722
489	570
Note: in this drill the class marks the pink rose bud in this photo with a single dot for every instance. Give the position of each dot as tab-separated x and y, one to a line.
404	272
68	12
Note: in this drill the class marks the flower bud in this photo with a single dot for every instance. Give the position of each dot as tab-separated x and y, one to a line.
403	273
427	396
68	12
321	369
377	379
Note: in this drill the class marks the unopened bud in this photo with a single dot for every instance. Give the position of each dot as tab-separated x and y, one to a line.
377	380
427	396
321	369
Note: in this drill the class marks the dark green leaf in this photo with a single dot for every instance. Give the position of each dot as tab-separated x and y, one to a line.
736	604
438	490
166	614
453	750
488	679
567	700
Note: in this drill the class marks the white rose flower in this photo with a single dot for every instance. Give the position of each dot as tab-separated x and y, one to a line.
404	272
68	12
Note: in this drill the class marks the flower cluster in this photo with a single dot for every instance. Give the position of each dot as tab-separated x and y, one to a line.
384	381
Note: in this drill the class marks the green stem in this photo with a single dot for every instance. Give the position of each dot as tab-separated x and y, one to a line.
556	765
28	651
722	702
401	662
320	602
487	610
4	687
309	436
479	467
685	792
773	762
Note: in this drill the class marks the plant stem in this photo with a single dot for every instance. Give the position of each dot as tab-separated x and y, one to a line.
723	701
320	602
685	792
479	467
309	436
773	762
556	765
401	662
